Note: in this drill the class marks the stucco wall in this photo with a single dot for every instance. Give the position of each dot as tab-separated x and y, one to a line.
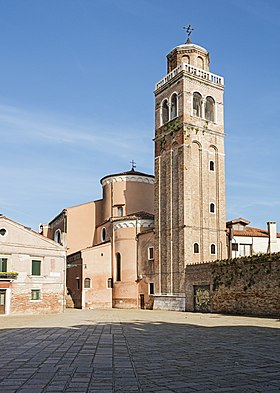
80	227
20	246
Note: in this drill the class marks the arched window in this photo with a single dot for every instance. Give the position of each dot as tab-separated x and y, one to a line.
200	62
57	236
196	248
212	207
118	263
213	249
103	234
210	109
87	283
197	104
174	106
211	165
164	112
186	59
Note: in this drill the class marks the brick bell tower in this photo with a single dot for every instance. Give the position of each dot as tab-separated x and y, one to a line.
189	171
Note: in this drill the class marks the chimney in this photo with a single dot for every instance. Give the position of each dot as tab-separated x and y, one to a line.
272	236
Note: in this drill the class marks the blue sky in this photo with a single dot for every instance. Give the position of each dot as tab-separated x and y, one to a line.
76	97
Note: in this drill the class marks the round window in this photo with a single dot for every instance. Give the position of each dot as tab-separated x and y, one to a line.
103	234
3	231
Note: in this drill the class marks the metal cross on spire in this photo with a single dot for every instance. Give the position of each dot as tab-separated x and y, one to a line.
133	165
189	31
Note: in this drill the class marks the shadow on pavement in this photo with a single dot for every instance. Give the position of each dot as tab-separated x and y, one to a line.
140	356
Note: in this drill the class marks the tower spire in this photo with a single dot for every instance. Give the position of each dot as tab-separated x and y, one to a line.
189	31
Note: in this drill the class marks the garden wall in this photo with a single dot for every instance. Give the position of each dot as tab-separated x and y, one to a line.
248	285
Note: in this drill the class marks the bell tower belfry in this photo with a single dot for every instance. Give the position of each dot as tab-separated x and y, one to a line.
189	171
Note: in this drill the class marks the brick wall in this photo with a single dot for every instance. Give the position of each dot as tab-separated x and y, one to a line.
249	285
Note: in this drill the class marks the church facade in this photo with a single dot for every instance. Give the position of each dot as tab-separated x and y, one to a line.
110	244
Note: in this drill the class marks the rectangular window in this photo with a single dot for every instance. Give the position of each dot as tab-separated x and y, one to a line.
245	250
3	264
120	211
151	253
35	294
234	246
36	268
151	288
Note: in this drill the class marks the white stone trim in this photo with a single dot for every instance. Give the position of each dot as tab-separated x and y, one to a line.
190	46
194	71
132	178
140	223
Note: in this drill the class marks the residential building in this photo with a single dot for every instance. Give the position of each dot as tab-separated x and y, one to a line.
32	271
244	240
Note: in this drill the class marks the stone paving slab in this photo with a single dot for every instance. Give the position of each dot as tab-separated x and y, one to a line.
95	351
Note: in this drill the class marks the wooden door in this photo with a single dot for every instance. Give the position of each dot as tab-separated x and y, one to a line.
142	302
2	301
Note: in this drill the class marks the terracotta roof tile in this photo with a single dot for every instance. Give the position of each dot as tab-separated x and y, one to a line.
250	231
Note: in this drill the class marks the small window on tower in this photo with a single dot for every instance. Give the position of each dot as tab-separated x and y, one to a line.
197	105
196	248
174	106
210	109
150	253
200	62
152	288
211	165
164	112
186	59
212	208
213	249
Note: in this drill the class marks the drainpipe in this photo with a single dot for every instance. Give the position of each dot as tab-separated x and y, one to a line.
137	267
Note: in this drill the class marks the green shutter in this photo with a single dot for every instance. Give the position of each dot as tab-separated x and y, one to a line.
36	268
35	294
3	264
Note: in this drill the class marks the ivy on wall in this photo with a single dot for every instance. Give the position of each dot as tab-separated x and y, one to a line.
249	270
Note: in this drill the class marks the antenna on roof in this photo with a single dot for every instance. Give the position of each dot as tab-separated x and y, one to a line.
133	165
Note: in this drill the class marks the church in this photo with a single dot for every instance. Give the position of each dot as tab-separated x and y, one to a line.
130	248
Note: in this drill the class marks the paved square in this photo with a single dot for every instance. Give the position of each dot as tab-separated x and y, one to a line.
138	351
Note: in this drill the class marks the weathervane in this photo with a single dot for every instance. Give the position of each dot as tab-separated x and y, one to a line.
189	31
133	165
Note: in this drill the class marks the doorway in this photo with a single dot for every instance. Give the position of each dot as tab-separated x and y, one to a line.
2	302
142	302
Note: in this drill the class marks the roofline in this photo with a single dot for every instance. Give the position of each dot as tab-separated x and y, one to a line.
128	173
25	228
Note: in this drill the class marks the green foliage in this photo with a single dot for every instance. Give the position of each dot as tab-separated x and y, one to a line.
250	270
